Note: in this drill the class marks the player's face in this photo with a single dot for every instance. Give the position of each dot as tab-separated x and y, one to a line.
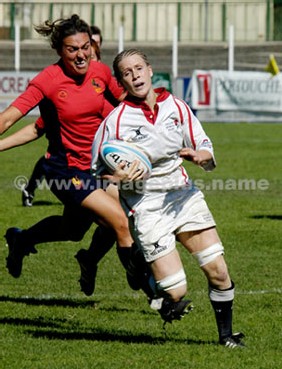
97	39
136	76
76	54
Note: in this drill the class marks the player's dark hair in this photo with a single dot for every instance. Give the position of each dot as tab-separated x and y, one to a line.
58	30
124	54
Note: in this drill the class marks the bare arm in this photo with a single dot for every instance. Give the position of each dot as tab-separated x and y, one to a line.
23	136
197	157
8	117
202	157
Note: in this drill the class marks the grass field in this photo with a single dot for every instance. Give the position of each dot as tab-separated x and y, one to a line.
47	323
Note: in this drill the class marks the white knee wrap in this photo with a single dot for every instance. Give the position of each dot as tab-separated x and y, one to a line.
209	254
172	281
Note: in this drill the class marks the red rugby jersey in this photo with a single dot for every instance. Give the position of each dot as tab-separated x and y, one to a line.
72	112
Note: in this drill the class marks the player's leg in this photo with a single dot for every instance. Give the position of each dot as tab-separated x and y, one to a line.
54	228
170	283
206	247
110	213
102	241
169	279
36	178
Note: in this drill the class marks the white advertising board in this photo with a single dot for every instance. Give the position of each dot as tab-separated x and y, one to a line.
251	96
12	84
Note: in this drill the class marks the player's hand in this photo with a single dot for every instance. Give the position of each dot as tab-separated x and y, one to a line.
123	173
197	157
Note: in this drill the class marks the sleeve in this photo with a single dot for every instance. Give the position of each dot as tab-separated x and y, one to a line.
107	108
28	99
113	88
195	136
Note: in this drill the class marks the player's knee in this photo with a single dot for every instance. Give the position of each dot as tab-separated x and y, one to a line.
174	285
209	254
213	264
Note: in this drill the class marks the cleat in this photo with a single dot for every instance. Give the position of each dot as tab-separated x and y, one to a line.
233	341
174	310
88	272
17	251
27	198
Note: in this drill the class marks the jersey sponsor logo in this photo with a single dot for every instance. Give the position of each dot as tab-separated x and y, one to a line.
96	86
158	249
139	136
62	94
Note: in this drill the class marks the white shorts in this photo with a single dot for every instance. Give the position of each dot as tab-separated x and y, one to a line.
160	216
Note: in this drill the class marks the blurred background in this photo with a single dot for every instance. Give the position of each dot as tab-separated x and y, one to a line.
202	30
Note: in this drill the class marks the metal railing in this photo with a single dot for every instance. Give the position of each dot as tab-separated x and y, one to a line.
197	21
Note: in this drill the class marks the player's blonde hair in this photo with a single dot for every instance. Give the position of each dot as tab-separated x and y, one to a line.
125	54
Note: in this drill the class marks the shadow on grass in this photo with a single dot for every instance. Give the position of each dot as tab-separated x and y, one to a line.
272	217
97	335
38	322
59	329
114	336
61	333
65	303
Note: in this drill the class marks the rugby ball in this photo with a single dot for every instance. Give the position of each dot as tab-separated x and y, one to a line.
116	151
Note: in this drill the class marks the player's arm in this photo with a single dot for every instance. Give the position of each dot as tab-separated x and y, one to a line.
26	134
8	117
198	147
200	157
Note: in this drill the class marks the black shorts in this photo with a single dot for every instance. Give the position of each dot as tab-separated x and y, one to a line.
70	185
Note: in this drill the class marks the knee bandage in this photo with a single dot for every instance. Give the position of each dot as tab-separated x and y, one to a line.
172	281
209	254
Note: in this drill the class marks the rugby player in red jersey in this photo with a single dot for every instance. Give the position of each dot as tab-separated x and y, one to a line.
70	95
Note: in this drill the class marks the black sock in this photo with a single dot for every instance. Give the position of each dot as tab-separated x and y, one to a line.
37	176
134	263
48	229
124	254
102	241
222	302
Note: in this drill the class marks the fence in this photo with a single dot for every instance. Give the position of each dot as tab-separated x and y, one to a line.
143	21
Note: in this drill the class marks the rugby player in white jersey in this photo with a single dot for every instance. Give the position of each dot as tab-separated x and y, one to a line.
167	207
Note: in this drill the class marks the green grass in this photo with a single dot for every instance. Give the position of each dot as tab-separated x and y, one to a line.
47	323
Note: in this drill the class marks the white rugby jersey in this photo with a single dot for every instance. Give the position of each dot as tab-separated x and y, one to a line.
160	134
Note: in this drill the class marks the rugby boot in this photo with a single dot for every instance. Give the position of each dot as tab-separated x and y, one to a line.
170	310
234	341
88	272
17	251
